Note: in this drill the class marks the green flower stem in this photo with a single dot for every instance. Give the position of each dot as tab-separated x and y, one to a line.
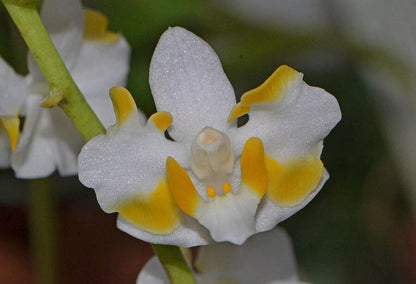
174	264
61	84
42	230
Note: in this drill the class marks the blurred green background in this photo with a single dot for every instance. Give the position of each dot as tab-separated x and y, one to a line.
359	229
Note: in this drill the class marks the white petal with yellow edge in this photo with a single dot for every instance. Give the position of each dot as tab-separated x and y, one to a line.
99	67
155	212
189	234
11	124
126	167
126	161
122	163
187	80
293	121
95	27
291	182
268	214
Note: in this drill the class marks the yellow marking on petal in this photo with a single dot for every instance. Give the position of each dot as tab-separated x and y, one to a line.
253	167
273	88
95	27
180	184
211	192
11	124
291	183
156	213
237	111
123	103
227	188
162	120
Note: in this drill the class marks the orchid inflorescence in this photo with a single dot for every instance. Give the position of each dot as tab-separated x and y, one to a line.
97	59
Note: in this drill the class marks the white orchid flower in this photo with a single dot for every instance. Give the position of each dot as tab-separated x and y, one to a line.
214	181
266	258
97	60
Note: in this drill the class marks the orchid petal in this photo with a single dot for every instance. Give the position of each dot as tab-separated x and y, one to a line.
290	184
264	258
34	157
125	110
268	214
130	157
292	120
182	188
188	81
96	27
11	124
189	234
229	217
43	146
302	116
64	21
14	90
155	212
99	67
126	167
152	272
66	144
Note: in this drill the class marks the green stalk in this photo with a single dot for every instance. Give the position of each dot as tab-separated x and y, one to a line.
42	230
61	84
174	264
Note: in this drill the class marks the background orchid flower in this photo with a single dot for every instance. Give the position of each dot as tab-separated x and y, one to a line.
97	60
13	92
213	180
263	258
